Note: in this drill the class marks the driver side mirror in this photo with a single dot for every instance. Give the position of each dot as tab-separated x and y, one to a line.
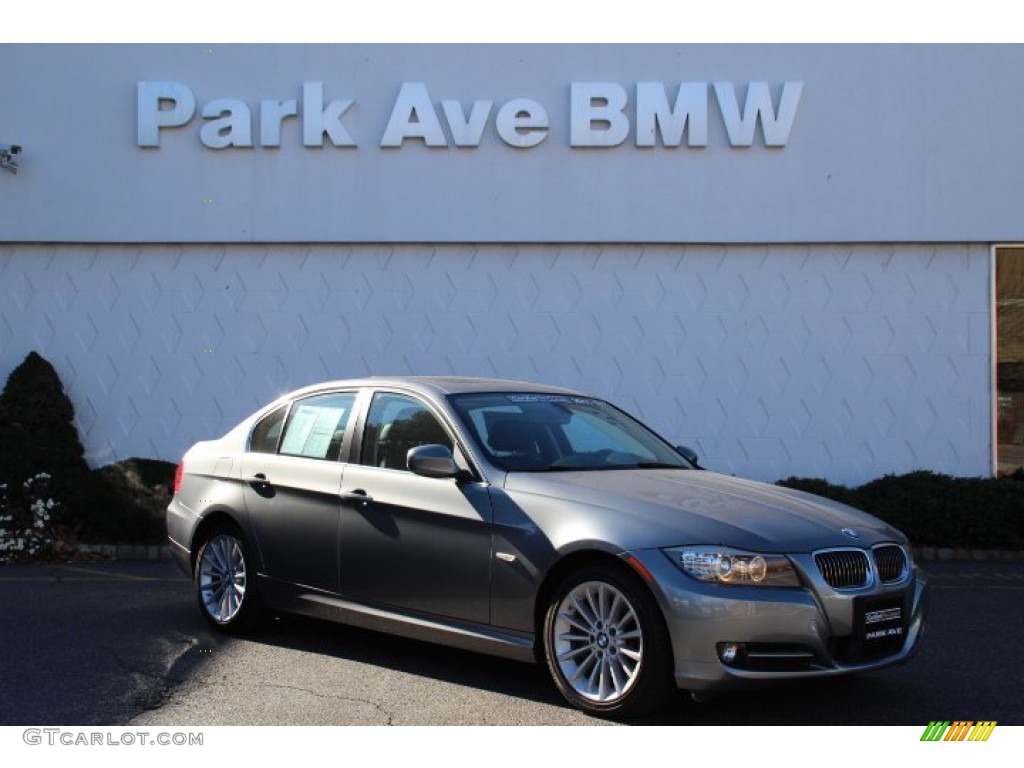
690	455
434	461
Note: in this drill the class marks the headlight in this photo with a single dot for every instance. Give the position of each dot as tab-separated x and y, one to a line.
720	565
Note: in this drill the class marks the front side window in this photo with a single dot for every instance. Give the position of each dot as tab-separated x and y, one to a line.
316	426
395	424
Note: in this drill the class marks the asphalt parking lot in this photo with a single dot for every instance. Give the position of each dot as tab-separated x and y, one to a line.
122	644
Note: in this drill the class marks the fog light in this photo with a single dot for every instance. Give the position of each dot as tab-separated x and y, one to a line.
728	652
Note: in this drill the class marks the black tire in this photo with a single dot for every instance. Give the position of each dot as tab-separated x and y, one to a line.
225	582
606	644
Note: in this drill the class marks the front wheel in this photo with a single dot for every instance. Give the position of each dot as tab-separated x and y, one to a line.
226	582
606	644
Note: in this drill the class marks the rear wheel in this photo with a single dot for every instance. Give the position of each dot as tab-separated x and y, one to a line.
606	644
225	582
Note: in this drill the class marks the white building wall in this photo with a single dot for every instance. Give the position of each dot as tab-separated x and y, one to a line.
844	362
893	143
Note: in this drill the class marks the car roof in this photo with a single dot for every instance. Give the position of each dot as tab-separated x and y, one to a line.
436	385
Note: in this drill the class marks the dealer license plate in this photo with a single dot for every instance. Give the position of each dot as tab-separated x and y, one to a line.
880	625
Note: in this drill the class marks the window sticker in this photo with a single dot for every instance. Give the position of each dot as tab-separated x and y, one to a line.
311	430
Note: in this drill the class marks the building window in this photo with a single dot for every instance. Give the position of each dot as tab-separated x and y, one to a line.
1010	359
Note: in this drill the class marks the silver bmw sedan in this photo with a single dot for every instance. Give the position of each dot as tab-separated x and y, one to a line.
536	523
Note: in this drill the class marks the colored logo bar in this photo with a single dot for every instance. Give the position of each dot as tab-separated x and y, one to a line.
959	730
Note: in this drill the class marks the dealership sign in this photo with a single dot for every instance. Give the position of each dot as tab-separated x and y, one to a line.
601	115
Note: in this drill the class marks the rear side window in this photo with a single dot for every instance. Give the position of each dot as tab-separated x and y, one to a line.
316	426
267	431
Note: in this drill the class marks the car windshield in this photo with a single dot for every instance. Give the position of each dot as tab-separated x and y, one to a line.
530	432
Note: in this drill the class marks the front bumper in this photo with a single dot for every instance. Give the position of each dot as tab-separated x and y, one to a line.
811	631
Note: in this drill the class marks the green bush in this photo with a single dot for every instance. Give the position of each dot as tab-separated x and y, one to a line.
128	503
938	510
27	530
38	437
49	498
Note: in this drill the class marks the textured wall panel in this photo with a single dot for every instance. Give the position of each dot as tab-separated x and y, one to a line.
845	362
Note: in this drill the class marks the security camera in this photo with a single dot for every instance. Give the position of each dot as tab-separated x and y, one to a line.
6	152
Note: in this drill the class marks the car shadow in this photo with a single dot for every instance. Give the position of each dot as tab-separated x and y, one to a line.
415	657
870	699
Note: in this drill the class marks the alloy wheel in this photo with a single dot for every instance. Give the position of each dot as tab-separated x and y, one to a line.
222	578
598	641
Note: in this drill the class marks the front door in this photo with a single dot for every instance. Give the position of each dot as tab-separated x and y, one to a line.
406	541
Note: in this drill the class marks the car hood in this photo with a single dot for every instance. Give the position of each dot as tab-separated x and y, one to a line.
643	508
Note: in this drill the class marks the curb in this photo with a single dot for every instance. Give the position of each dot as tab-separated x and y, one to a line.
162	553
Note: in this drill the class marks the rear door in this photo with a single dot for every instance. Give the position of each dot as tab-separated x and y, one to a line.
406	541
291	490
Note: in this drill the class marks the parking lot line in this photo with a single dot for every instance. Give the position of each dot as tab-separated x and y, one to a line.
91	574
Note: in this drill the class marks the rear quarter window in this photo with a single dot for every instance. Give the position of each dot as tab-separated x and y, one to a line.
267	432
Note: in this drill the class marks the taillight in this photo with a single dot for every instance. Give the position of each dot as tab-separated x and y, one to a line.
177	476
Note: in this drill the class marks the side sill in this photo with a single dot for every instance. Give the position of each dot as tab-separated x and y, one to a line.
469	636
